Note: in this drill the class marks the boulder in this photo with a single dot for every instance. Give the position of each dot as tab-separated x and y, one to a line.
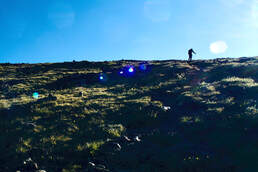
137	139
29	166
166	108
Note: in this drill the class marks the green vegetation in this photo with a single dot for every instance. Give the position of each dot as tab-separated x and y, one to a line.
122	124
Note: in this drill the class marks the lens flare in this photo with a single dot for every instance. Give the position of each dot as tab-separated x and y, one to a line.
131	69
102	77
143	67
35	95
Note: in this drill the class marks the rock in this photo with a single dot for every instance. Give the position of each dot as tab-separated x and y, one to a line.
166	108
91	164
115	146
137	139
118	147
127	139
111	147
96	168
29	124
29	165
101	168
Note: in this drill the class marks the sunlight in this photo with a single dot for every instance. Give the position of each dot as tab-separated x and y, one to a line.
218	47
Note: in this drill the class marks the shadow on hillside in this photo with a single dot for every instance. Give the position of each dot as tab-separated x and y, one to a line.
75	80
181	140
21	122
43	68
150	77
221	72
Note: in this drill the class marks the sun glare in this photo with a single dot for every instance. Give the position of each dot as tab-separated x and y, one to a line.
218	47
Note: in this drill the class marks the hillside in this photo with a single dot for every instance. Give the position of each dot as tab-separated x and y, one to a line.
164	116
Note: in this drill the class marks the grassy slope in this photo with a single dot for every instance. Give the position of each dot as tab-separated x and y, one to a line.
212	123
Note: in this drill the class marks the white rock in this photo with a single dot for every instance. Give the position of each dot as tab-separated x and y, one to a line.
118	147
137	139
127	139
166	108
92	164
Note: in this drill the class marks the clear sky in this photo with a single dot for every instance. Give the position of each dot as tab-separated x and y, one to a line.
33	31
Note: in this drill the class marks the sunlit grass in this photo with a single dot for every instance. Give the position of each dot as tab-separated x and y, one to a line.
190	119
245	82
92	146
115	130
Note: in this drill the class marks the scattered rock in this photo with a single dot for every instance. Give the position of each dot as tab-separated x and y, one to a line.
115	146
166	108
127	139
137	139
97	168
29	165
118	147
29	124
111	147
91	164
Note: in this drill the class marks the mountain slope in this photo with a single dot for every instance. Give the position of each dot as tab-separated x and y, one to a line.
165	116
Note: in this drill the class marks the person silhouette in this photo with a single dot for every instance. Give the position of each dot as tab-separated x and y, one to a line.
190	53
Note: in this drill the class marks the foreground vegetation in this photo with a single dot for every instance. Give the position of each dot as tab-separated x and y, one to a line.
168	116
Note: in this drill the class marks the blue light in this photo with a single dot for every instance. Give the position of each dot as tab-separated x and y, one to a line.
35	95
121	72
103	77
143	66
131	69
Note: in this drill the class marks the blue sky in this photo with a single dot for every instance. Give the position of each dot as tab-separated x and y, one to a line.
33	31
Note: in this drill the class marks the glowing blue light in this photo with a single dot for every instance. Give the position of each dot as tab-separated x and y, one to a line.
121	72
131	69
103	77
35	95
143	67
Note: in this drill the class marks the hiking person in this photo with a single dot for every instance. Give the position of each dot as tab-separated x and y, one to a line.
190	53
